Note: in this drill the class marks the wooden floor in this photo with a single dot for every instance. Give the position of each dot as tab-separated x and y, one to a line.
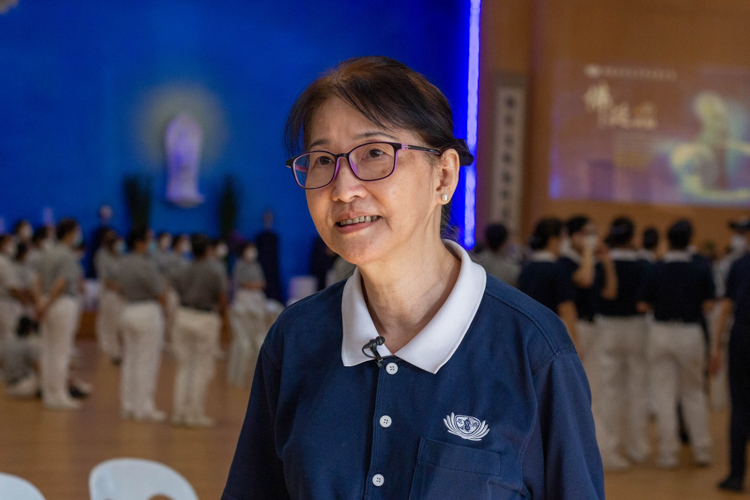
56	450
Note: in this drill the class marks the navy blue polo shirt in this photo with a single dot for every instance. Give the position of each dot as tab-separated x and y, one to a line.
506	416
738	289
677	288
545	280
586	299
631	275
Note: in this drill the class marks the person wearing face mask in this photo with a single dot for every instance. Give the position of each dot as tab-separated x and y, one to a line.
107	261
543	278
246	315
587	264
219	253
60	275
202	289
420	376
494	258
40	242
170	261
623	366
737	248
105	217
23	231
142	327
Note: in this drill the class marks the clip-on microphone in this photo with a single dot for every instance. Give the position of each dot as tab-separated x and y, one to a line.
373	346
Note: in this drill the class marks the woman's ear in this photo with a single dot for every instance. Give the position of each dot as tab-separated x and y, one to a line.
448	174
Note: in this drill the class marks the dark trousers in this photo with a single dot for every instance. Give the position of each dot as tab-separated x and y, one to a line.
739	390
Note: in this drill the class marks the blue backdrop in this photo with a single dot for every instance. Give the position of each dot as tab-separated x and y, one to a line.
86	89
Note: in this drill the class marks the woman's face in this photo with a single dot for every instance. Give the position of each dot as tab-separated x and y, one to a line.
406	206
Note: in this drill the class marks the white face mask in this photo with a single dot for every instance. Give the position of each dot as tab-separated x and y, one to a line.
591	241
250	254
221	251
120	247
566	245
738	243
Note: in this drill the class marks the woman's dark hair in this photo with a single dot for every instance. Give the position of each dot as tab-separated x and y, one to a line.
680	234
544	231
40	234
496	236
390	95
576	224
650	238
200	244
621	232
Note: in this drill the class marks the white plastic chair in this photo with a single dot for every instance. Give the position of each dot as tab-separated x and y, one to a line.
137	479
18	488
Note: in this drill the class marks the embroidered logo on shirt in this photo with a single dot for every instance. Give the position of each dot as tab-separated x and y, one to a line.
466	427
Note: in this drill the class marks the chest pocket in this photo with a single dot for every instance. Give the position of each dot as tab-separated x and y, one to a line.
447	472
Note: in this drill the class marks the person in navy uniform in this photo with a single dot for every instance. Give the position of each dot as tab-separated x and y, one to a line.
622	362
678	290
420	376
736	299
543	278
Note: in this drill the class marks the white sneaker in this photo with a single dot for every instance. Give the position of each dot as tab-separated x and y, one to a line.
200	421
615	462
179	420
155	416
704	458
65	404
84	387
667	462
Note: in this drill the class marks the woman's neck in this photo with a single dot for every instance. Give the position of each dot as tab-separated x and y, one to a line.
405	293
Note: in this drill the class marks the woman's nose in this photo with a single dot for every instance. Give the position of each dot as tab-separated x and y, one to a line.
346	185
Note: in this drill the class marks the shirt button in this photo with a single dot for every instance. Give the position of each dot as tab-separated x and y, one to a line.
385	421
378	480
391	368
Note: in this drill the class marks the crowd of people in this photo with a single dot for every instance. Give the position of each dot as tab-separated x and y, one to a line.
154	293
650	321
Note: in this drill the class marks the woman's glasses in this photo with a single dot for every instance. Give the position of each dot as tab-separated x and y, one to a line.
372	161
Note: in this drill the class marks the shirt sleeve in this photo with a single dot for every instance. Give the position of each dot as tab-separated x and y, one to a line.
257	470
565	288
572	464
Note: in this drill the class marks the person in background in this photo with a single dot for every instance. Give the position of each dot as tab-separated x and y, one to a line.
650	245
19	358
679	290
737	248
267	242
142	327
60	275
494	258
202	289
579	259
736	300
23	231
623	367
163	250
171	258
544	279
27	281
321	261
40	242
105	218
107	260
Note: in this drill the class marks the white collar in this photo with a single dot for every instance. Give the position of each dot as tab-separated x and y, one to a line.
431	348
572	255
623	254
543	256
677	256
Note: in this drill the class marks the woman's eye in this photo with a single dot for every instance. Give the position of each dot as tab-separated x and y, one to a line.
375	153
324	161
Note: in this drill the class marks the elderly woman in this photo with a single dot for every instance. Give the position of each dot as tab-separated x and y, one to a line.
420	376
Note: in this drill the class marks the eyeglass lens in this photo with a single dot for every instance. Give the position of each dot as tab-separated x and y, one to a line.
369	162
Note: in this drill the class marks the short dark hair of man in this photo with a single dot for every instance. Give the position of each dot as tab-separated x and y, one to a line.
496	236
651	238
137	235
200	243
680	234
576	224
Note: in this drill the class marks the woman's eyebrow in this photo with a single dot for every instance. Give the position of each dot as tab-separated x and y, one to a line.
364	135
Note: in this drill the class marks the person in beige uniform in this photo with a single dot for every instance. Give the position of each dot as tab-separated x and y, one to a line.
142	327
60	275
106	262
202	290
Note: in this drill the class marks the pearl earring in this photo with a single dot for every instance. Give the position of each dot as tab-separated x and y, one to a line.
445	197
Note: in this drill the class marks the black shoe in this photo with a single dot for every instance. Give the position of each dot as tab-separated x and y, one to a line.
731	484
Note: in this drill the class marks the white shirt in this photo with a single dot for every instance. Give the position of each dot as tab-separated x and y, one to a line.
432	347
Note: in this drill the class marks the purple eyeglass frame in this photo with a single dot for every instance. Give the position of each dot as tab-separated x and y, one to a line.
397	146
